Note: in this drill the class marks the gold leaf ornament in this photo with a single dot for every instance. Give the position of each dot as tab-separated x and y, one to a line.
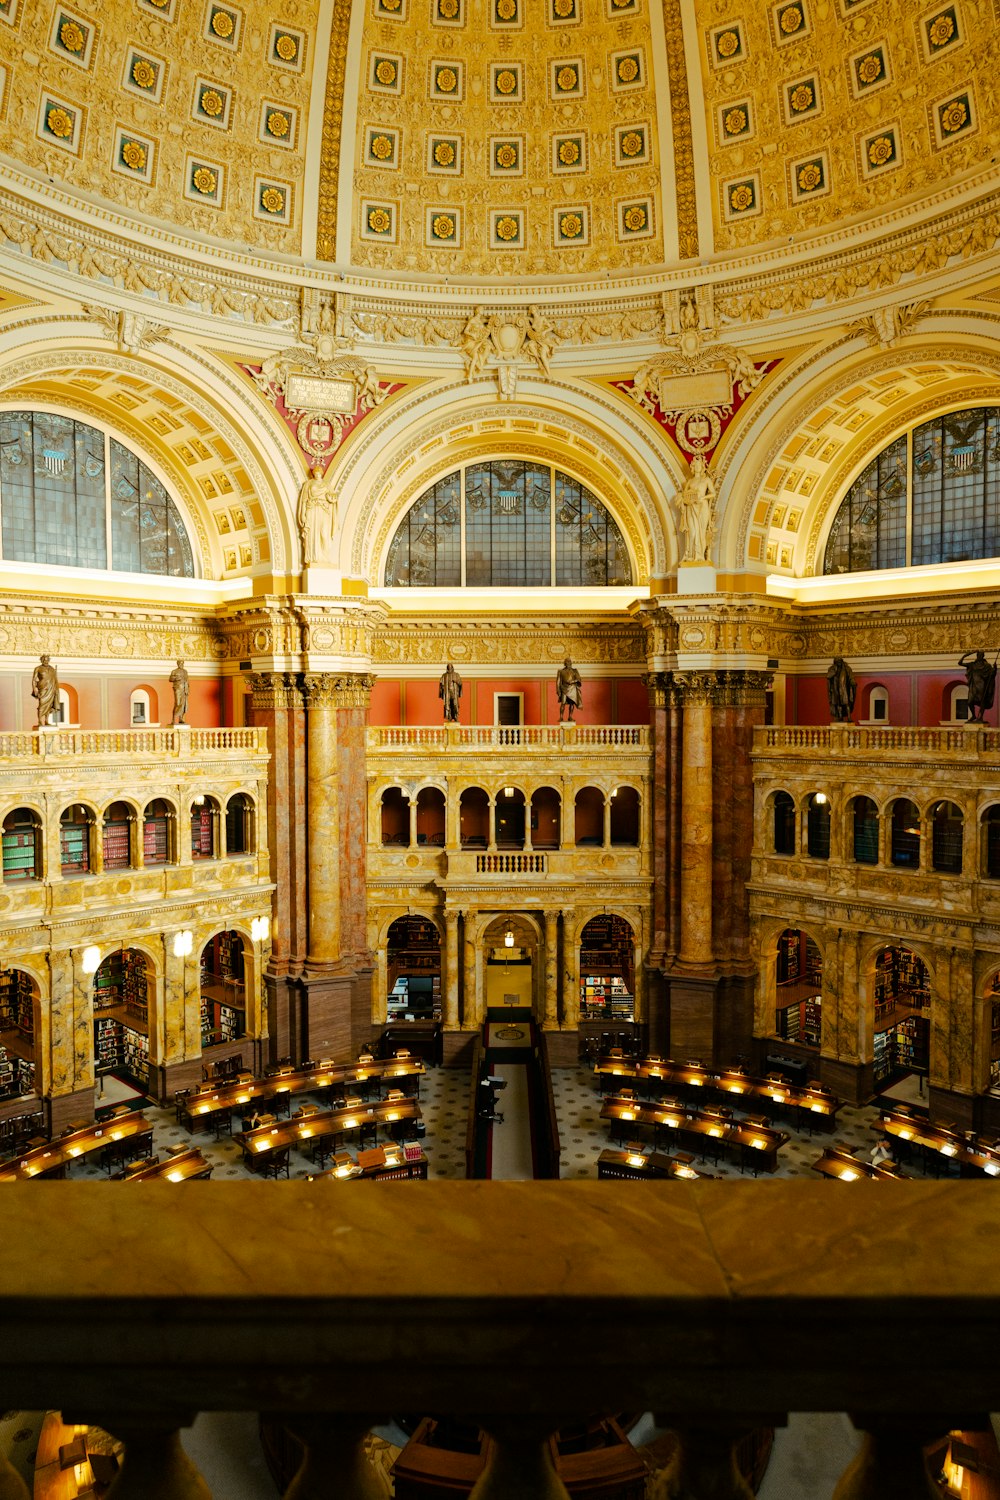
385	71
632	143
870	68
941	31
566	79
791	20
447	9
444	154
205	180
378	221
728	42
72	37
569	153
506	81
880	151
809	177
954	116
134	155
635	218
507	228
571	226
802	97
741	198
59	123
506	155
286	47
212	103
446	80
443	227
223	24
272	200
506	10
628	70
277	125
143	73
735	121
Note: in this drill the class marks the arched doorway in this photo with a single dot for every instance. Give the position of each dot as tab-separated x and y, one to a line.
18	1028
607	970
510	951
901	1034
123	989
223	990
798	989
413	969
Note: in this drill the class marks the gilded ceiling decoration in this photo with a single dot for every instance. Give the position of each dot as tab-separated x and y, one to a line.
506	138
188	112
822	110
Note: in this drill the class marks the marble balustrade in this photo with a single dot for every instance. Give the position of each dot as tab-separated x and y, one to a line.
521	1305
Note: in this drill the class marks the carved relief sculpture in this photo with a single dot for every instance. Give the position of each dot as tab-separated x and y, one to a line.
695	501
317	515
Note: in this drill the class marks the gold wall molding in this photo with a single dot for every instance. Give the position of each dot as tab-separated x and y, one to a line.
471	643
171	270
31	625
329	175
680	117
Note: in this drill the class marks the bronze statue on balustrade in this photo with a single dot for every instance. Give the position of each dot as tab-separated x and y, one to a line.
450	691
841	689
981	675
45	687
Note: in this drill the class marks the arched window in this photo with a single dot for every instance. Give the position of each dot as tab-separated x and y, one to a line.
22	837
878	704
958	702
991	842
116	836
589	825
395	817
509	814
474	818
546	818
946	838
941	508
157	828
64	486
239	824
140	713
18	1009
430	816
223	989
625	815
865	831
204	827
75	824
525	524
784	824
905	834
818	826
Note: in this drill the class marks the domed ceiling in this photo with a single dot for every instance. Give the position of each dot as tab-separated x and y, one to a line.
517	139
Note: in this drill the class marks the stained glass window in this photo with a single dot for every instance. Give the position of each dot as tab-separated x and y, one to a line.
508	522
56	496
951	506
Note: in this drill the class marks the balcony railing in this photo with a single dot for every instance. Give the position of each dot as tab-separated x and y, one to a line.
156	744
850	739
502	737
525	1305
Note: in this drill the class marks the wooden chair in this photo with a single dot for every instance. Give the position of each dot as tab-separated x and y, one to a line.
277	1163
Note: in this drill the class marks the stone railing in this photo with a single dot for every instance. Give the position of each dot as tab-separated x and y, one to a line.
856	739
155	744
479	737
717	1306
511	864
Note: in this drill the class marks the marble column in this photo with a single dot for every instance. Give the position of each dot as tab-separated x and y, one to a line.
551	1020
696	820
322	821
449	1006
277	706
570	973
471	1018
67	1072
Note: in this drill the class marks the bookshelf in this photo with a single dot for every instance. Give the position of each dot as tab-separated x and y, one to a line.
121	1015
993	1001
16	1008
20	851
74	847
223	991
17	1075
605	997
115	838
154	840
201	833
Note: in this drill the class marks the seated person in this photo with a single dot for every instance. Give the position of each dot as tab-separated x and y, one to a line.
253	1120
881	1151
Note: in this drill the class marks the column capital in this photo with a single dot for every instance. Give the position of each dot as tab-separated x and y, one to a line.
699	689
661	688
272	690
337	689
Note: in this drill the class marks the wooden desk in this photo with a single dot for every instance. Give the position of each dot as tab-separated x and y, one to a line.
639	1168
940	1146
183	1167
378	1166
201	1107
841	1165
55	1157
318	1132
815	1106
752	1146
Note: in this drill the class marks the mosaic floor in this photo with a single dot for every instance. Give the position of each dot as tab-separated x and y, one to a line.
444	1104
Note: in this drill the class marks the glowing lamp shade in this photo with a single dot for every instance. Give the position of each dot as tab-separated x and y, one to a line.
508	938
183	943
260	928
91	960
820	799
508	791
